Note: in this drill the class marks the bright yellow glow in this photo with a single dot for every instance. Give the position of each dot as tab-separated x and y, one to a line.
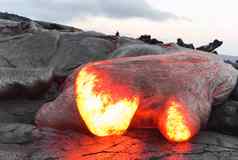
102	113
176	128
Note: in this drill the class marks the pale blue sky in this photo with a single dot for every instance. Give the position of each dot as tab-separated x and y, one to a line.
195	21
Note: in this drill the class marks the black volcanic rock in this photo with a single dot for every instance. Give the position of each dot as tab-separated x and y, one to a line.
155	41
182	44
147	39
207	48
224	118
211	46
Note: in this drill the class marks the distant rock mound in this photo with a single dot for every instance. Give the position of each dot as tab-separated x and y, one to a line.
211	46
182	44
42	24
207	48
13	17
147	39
145	49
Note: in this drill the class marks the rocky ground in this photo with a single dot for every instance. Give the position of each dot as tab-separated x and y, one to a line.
35	59
25	141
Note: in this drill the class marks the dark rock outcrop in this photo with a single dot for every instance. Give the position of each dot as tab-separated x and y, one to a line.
20	110
224	118
211	46
207	48
147	39
182	44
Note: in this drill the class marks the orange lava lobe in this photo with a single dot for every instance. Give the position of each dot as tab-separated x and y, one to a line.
177	123
105	106
176	127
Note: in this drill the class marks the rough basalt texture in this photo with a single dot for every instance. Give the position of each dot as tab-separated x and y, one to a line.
20	110
24	82
134	50
224	118
33	56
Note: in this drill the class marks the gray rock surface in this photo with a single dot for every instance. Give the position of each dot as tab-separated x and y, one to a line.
26	45
26	82
75	49
20	110
137	49
224	118
15	133
31	54
41	24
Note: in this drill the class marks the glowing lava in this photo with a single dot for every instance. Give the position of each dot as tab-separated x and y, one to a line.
177	129
106	107
177	124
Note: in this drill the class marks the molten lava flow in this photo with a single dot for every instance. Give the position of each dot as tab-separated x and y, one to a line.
106	107
176	128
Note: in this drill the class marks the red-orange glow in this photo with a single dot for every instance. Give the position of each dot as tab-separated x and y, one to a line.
184	147
105	106
176	123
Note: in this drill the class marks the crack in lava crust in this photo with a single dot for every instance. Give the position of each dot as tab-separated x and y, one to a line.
107	108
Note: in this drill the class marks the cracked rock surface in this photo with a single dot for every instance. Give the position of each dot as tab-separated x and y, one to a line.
25	142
